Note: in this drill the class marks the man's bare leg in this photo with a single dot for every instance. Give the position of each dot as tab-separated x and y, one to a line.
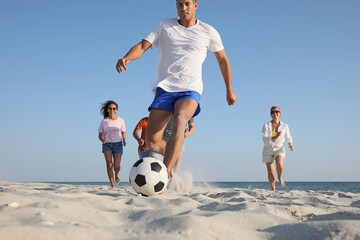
158	119
183	111
177	163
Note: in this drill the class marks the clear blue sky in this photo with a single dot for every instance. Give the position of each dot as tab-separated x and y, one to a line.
57	65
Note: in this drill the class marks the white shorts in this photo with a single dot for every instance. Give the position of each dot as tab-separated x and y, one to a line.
269	153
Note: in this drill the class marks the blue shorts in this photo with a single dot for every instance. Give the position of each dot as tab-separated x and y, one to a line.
166	100
114	147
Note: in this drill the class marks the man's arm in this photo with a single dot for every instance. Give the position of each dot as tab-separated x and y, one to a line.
136	136
134	53
224	65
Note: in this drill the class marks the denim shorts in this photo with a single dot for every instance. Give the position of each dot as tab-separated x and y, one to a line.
166	100
116	147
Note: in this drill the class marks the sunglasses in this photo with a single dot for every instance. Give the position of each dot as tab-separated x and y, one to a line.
112	108
273	112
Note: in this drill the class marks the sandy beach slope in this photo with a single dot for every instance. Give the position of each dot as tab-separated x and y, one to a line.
62	211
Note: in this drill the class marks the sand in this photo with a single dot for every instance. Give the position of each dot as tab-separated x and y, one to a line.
61	211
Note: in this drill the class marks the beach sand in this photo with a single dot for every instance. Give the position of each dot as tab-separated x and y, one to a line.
64	211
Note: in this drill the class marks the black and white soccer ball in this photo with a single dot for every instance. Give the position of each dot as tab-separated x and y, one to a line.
148	176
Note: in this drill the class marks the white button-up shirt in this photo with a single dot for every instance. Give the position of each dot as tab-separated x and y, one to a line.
279	142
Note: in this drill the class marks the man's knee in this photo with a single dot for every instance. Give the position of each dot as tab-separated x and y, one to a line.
180	119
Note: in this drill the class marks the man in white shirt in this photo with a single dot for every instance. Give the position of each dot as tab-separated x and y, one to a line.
183	44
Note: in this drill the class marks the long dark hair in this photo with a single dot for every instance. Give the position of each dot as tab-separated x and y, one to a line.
105	107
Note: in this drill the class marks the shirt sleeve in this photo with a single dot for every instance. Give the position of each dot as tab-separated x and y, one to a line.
123	126
154	35
265	137
288	135
101	128
216	44
139	125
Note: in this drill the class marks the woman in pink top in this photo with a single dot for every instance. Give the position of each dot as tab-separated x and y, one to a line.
112	135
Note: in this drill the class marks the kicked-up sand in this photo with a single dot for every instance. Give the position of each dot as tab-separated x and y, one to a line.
62	211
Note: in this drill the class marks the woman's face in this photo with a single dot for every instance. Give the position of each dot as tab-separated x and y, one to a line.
275	113
112	109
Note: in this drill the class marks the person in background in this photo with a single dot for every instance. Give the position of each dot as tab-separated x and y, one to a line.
273	135
112	136
141	126
143	149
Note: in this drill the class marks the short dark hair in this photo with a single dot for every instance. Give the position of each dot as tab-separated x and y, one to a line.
195	1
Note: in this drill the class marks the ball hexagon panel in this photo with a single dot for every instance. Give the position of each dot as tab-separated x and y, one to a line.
147	190
144	168
135	186
152	178
164	176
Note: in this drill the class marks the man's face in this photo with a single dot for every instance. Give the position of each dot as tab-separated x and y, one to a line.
186	9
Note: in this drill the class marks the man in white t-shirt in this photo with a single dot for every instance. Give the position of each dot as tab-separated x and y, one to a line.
183	44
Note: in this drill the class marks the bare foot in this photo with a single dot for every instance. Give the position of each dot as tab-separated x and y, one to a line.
117	180
282	183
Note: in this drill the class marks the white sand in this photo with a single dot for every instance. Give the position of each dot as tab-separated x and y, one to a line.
61	211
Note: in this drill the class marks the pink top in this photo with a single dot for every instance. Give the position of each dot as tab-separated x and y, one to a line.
112	129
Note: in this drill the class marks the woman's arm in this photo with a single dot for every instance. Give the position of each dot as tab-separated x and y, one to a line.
123	138
289	138
101	138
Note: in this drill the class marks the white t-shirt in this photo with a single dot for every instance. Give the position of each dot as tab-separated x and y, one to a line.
181	54
112	129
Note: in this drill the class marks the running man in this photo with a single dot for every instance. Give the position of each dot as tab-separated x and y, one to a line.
141	126
183	44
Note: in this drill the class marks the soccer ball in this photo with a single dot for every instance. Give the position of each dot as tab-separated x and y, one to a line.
148	176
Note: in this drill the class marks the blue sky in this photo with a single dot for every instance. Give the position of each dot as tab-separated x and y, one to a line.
57	65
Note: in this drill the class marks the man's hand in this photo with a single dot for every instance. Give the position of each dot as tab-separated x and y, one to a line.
231	98
187	133
141	141
134	53
121	64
